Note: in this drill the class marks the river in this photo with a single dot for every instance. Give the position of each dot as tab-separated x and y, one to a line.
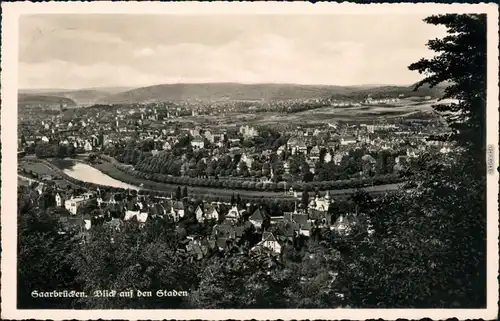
86	173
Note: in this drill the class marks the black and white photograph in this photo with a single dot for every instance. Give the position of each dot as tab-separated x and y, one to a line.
250	160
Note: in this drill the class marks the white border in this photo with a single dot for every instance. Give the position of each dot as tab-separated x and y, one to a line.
10	15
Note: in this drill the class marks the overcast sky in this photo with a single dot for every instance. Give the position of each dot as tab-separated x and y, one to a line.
83	51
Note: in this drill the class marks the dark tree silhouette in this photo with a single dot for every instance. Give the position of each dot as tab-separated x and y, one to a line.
305	198
178	193
461	63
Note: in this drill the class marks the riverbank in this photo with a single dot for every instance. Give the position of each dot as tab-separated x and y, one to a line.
111	170
127	173
89	174
36	169
103	169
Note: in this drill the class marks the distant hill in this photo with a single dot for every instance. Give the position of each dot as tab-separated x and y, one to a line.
44	100
83	97
80	96
222	91
266	92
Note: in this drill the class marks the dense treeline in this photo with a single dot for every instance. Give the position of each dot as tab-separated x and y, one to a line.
251	185
186	162
52	150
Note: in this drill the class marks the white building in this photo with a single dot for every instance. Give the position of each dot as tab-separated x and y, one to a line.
141	217
88	146
320	204
248	132
198	142
234	214
73	204
59	200
346	140
247	160
269	241
208	135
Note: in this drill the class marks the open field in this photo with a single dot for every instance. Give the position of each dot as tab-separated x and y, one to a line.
42	170
316	116
37	168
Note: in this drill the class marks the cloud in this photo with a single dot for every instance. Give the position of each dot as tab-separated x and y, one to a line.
62	75
144	52
111	51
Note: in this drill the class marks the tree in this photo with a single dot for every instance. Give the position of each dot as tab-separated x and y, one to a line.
134	258
178	194
243	167
434	232
185	192
438	220
461	63
88	207
61	151
381	164
40	150
362	201
305	198
44	259
244	281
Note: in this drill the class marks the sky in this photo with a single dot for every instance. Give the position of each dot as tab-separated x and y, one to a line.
74	51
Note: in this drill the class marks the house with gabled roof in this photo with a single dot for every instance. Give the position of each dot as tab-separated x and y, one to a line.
199	213
314	153
270	242
106	199
258	217
157	209
212	213
177	210
60	197
234	214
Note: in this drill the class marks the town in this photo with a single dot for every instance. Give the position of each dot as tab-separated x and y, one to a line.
257	161
162	148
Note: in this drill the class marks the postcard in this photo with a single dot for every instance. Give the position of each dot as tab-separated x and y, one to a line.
249	160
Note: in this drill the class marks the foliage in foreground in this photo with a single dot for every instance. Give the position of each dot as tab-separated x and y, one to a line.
428	249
